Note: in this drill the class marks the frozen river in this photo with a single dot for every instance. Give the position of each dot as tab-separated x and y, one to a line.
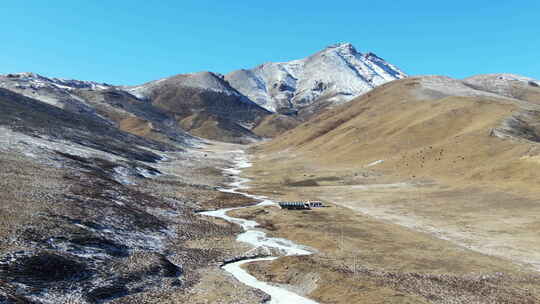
257	239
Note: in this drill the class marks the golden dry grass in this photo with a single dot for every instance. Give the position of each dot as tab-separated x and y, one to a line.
274	125
448	139
362	260
443	175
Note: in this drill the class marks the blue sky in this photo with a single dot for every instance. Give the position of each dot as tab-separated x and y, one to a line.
130	42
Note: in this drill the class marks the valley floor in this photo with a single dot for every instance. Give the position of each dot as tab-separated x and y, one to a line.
383	241
123	238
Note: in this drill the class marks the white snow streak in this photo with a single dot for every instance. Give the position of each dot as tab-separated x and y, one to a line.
258	239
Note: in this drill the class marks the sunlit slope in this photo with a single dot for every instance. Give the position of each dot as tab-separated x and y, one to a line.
274	125
424	129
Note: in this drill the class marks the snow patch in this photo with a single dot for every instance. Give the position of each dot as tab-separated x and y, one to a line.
380	161
122	176
147	173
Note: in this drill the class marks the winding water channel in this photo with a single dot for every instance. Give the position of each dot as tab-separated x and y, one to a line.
257	239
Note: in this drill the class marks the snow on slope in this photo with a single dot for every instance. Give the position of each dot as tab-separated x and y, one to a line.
502	84
338	73
501	76
53	91
435	86
33	80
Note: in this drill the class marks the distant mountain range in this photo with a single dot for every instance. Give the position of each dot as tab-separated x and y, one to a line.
241	106
244	105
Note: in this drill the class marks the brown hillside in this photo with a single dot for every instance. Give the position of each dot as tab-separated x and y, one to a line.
274	125
451	138
428	153
217	112
135	116
211	126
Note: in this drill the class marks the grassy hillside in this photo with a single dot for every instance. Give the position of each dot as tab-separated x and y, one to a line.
274	125
454	139
431	154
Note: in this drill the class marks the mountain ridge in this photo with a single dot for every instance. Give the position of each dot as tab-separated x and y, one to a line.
338	71
247	104
215	106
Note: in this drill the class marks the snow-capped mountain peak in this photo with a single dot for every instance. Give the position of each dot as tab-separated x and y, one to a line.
344	47
335	74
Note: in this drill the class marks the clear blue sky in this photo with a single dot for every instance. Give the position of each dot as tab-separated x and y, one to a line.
130	42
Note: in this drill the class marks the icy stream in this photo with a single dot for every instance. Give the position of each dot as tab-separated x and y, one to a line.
258	239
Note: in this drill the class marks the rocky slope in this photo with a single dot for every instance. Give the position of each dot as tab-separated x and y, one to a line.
104	104
56	92
336	74
205	105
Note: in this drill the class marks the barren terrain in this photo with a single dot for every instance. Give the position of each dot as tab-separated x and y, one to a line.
88	228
